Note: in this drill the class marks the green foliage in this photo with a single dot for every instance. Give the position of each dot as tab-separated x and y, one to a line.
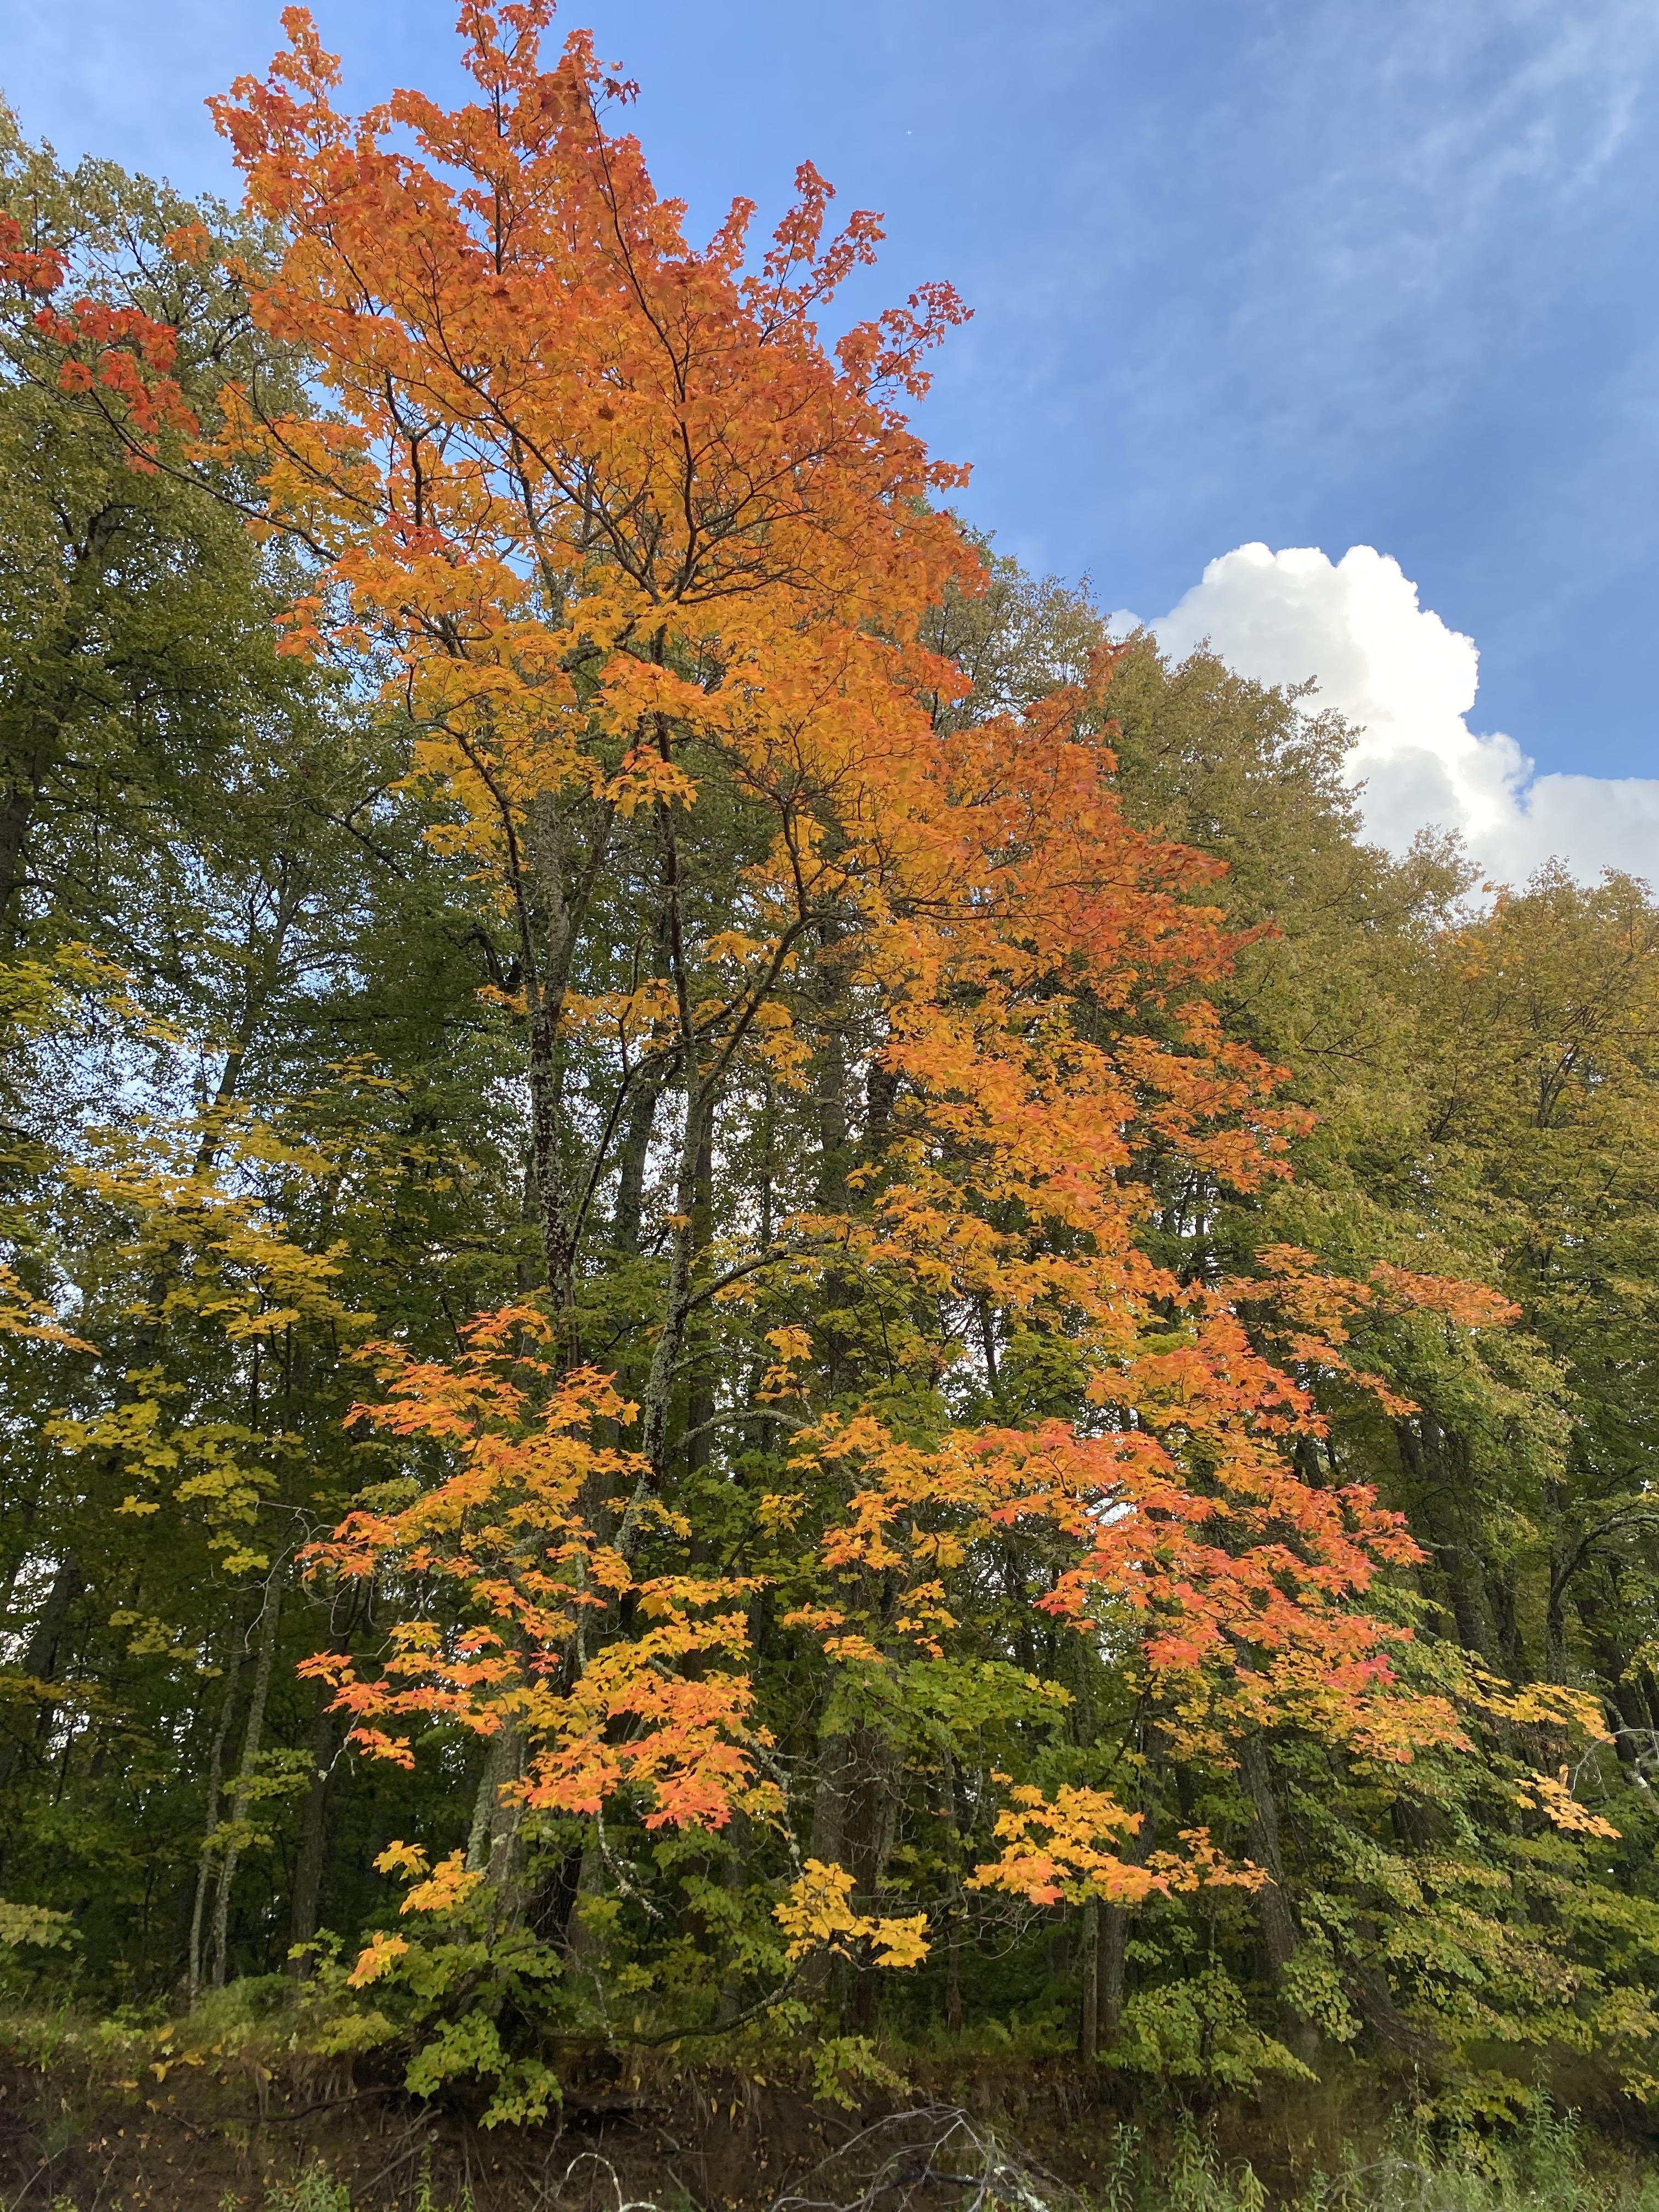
263	1098
1544	2164
1198	2029
312	2190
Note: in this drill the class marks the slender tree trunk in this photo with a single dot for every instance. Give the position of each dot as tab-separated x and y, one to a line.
952	1932
700	1393
631	1164
640	1121
492	1842
1503	1605
325	1731
869	1833
547	968
1555	1622
270	1608
830	1102
1438	1462
1112	1973
554	894
1088	2026
1114	1963
677	1309
1626	1707
207	1856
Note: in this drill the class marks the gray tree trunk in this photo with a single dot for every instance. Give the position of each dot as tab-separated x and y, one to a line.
252	1735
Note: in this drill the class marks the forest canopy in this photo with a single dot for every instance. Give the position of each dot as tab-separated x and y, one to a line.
748	1291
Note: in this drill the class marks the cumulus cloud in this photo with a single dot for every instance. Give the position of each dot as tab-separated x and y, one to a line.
1407	683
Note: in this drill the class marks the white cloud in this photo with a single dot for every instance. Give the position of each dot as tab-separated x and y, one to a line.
1407	683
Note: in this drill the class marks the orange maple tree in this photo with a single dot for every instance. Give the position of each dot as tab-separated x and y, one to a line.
507	1532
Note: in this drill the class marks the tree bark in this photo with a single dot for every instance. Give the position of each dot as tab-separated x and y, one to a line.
1113	1965
554	893
40	1654
677	1309
1438	1462
625	1224
873	1805
1088	2026
19	797
270	1608
827	1836
1112	1971
700	1391
325	1733
492	1843
214	1783
1280	1938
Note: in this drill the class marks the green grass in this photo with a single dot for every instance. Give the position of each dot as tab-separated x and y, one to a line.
1547	2167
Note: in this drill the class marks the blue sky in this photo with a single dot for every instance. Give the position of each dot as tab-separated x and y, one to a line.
1313	273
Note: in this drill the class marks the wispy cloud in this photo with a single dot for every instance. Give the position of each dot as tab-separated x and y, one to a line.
1426	164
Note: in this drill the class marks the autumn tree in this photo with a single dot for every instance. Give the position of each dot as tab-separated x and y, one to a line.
858	1038
907	1345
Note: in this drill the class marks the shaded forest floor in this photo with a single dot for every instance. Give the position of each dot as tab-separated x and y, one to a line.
82	2131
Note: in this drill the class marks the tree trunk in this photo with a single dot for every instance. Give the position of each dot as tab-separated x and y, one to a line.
41	1654
677	1309
1280	1938
1112	1972
1438	1463
554	894
1113	1964
326	1732
252	1735
830	1103
869	1833
631	1164
952	1932
492	1844
1503	1605
1555	1622
1088	2026
827	1839
700	1392
215	1782
19	796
